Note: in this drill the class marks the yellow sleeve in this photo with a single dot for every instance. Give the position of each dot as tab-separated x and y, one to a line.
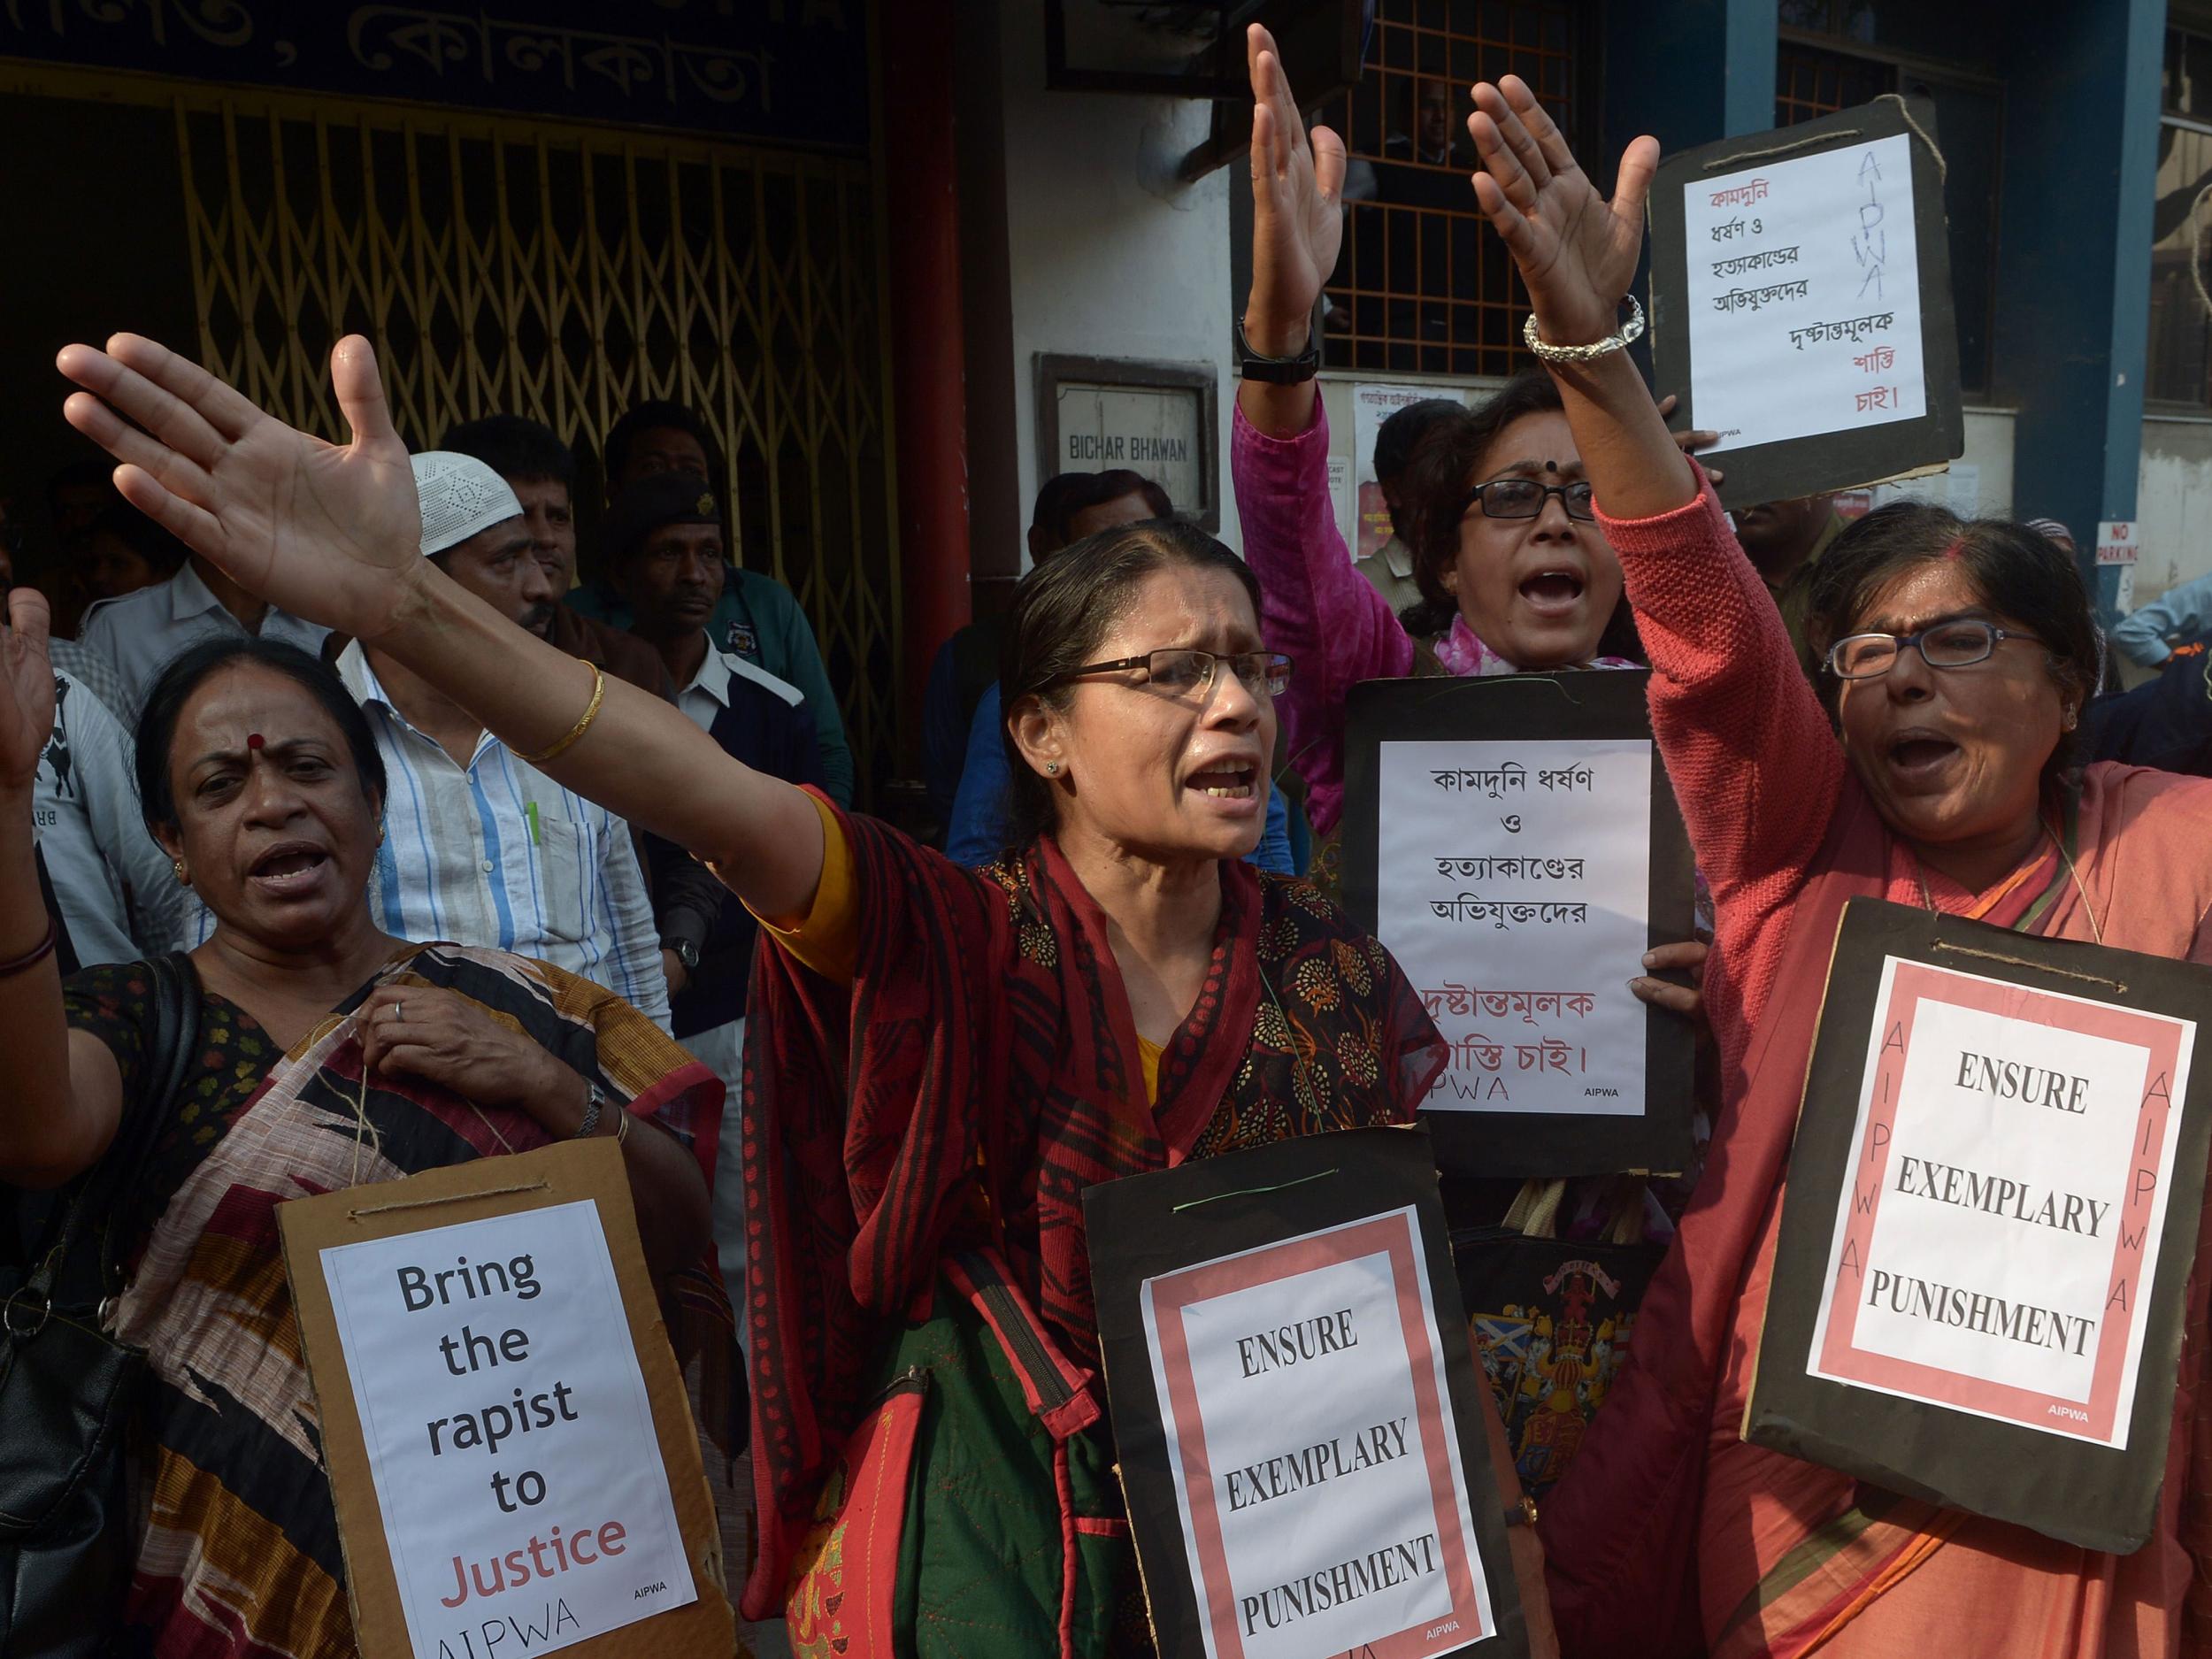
828	939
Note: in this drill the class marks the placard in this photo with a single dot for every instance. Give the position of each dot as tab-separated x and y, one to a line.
1514	842
512	1460
1802	302
1296	1407
1987	1238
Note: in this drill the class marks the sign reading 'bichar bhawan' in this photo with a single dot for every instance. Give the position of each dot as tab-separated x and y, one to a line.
1296	1408
1984	1247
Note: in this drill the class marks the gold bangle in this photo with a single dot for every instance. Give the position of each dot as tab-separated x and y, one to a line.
622	1125
591	714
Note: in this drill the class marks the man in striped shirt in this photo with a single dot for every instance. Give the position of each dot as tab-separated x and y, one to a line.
481	848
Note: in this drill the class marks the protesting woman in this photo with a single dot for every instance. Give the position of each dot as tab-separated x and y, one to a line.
324	1054
1957	656
1498	515
942	1060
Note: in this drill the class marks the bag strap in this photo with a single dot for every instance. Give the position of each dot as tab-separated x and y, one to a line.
68	1274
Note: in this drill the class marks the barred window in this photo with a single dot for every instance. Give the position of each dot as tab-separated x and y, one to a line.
2179	367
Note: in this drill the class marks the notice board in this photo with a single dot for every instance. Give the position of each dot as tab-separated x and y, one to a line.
1993	1206
1800	302
511	1450
1516	845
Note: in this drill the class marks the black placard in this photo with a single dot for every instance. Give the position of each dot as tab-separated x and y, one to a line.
1833	460
1344	1187
1536	708
2079	1490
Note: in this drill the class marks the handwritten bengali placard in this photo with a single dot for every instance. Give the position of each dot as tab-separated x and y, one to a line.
1513	884
1804	296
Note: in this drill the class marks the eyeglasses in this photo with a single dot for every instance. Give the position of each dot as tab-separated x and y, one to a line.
1186	673
1959	643
1524	498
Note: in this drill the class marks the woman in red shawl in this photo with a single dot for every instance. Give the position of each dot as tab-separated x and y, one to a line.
1960	657
942	1060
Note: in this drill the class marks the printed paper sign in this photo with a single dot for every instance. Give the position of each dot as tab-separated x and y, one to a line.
1994	1251
1513	883
1316	1461
509	1432
1804	296
2118	542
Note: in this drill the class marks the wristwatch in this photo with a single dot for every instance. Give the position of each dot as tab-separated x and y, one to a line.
1278	370
686	951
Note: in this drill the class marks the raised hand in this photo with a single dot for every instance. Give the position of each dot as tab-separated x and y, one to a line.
26	690
1577	251
328	532
1297	210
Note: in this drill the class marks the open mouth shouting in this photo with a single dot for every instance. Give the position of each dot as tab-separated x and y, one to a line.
1556	592
1233	785
1921	759
289	868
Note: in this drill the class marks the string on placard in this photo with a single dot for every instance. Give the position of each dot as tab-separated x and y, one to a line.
1252	1192
539	1186
1943	168
2117	986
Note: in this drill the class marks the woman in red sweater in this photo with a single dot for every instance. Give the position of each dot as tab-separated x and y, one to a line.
1962	653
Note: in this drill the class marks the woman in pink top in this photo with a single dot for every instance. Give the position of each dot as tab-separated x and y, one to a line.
1960	657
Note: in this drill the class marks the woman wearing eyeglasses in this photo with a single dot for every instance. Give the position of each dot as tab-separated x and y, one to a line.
1957	656
942	1060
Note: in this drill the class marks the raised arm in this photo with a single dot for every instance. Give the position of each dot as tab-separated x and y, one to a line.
331	533
1745	742
1315	605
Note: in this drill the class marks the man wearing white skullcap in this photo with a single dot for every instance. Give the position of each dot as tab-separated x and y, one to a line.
481	848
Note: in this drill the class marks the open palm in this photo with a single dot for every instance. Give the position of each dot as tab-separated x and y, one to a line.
1577	252
1297	205
328	532
27	688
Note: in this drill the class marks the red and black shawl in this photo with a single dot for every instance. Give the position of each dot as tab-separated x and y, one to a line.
979	1073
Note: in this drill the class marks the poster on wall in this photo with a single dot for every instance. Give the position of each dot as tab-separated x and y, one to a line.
1296	1407
1802	302
1514	841
1993	1206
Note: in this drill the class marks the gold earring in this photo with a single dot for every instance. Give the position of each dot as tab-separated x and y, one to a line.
380	835
183	879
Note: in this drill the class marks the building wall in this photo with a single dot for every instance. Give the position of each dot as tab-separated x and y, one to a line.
2174	503
1107	255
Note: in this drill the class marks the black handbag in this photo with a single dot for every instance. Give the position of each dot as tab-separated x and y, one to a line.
68	1389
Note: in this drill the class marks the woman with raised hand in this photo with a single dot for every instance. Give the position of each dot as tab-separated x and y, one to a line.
1498	514
1956	659
942	1060
324	1054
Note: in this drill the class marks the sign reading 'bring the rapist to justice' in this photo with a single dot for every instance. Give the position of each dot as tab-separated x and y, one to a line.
1994	1247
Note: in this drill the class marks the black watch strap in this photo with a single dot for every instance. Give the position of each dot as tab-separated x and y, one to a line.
1278	370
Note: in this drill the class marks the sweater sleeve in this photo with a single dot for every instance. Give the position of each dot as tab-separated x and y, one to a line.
1315	606
1748	747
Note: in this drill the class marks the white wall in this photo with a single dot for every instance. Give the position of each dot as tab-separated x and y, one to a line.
2173	506
1109	255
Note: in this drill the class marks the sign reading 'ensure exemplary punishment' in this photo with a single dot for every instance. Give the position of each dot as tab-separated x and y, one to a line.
511	1443
1299	1428
1990	1246
1514	844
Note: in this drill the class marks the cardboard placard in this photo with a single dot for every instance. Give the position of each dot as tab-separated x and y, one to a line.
1296	1407
511	1453
1514	842
1993	1206
1801	303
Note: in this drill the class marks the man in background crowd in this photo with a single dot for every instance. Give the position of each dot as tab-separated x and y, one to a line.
2149	633
1389	568
541	472
1785	541
480	847
757	618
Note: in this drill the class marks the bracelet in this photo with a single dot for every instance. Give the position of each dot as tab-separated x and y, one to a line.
591	714
37	953
1617	340
593	1102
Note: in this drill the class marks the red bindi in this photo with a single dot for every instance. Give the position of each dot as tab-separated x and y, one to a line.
253	740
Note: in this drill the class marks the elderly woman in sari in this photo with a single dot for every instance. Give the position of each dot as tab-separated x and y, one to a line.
326	1054
1957	657
942	1060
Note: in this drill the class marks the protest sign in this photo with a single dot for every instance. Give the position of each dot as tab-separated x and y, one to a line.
1993	1205
1513	842
511	1458
1295	1407
1801	302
